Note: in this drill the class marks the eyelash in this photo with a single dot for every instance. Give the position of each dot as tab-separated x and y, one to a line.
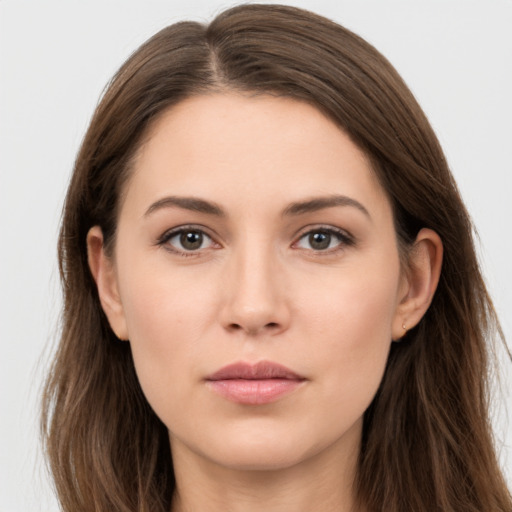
168	235
344	240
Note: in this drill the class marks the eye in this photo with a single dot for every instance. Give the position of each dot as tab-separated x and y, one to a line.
186	240
324	239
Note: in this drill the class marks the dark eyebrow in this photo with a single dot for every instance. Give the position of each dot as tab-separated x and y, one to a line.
296	208
187	203
319	203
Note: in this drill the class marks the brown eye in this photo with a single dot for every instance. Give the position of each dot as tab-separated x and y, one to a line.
186	240
191	240
319	240
324	239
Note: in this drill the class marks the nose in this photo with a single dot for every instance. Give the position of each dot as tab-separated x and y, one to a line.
255	295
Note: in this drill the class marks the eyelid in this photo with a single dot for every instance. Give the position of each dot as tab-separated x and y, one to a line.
345	238
172	232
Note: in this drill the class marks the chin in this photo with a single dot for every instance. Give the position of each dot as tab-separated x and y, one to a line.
254	457
262	448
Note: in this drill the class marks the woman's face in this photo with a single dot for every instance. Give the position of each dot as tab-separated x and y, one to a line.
254	233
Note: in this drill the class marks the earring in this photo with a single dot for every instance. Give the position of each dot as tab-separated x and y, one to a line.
401	338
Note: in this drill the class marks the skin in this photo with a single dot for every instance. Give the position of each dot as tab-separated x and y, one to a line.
260	288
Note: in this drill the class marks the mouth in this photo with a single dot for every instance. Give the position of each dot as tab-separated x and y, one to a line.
254	384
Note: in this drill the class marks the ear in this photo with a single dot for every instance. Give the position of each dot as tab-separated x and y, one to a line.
103	272
419	282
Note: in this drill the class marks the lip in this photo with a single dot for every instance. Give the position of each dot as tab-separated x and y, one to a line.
254	384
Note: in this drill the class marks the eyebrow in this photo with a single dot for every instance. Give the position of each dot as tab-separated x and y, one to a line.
187	203
293	209
320	203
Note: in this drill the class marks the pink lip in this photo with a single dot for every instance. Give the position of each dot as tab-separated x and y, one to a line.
254	384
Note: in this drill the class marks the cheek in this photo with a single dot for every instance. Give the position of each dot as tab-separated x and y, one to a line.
161	301
167	317
356	304
350	326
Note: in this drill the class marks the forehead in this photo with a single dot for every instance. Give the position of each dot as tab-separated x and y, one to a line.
254	150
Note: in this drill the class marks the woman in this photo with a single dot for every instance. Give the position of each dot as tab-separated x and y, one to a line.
269	274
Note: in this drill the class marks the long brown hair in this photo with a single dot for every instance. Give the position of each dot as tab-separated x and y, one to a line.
427	443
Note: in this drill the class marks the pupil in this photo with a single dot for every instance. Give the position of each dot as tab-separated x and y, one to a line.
191	240
320	240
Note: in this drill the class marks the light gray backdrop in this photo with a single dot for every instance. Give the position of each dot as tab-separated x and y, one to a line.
56	57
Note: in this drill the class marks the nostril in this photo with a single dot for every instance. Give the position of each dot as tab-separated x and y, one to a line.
253	330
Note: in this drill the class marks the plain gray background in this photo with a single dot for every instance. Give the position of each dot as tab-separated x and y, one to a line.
56	57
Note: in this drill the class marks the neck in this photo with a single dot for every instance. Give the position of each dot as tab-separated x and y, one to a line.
324	482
